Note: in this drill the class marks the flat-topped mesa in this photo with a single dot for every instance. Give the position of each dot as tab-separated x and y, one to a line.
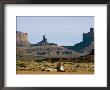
22	39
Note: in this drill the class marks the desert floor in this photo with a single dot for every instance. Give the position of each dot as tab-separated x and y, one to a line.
34	72
32	67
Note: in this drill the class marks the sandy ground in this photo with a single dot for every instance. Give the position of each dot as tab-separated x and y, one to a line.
34	72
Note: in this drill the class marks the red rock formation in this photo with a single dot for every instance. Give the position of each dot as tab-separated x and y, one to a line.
22	39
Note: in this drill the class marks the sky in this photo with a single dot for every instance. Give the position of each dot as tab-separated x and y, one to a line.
61	30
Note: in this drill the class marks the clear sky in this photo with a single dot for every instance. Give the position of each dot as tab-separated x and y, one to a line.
62	30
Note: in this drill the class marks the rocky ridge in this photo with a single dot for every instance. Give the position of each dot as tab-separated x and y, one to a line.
46	49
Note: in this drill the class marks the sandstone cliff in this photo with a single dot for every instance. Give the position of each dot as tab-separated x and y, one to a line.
86	45
22	39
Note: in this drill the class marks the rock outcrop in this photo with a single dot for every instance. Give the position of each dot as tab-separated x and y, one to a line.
43	42
88	42
22	39
86	45
89	49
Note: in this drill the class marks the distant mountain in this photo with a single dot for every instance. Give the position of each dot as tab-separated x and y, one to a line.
86	45
22	39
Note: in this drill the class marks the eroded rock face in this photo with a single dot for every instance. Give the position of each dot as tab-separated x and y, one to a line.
86	45
88	39
89	49
22	39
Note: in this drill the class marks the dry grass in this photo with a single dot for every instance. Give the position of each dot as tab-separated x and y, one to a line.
34	67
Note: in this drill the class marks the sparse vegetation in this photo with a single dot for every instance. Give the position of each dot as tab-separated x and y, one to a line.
83	64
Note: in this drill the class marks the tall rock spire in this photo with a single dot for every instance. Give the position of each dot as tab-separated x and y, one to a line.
43	37
44	42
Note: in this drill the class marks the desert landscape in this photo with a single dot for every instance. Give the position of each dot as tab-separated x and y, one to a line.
49	58
43	67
